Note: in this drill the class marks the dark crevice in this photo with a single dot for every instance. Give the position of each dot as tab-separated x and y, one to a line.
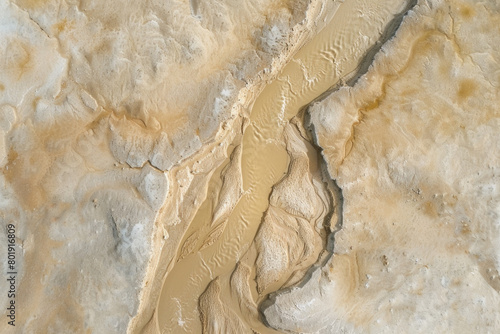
353	77
335	215
387	34
367	59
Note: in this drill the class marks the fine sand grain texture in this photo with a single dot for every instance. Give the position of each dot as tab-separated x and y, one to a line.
287	204
414	146
113	116
213	167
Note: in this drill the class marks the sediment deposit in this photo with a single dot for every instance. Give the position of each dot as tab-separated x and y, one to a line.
261	167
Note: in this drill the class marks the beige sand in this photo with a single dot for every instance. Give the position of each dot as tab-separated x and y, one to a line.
97	126
414	146
265	159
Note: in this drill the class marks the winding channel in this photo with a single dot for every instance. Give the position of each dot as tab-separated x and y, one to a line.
332	55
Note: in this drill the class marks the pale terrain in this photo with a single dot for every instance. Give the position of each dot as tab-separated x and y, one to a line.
251	167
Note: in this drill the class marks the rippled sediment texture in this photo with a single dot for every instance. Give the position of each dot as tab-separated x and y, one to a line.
285	203
414	147
102	106
159	186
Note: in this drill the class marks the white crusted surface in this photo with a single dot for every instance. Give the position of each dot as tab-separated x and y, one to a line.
414	147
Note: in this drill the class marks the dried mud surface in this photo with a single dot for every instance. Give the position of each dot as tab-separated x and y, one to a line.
266	167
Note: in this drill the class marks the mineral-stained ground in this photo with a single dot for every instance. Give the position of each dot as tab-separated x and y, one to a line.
298	166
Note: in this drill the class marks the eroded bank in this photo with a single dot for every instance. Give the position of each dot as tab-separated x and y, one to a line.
280	173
